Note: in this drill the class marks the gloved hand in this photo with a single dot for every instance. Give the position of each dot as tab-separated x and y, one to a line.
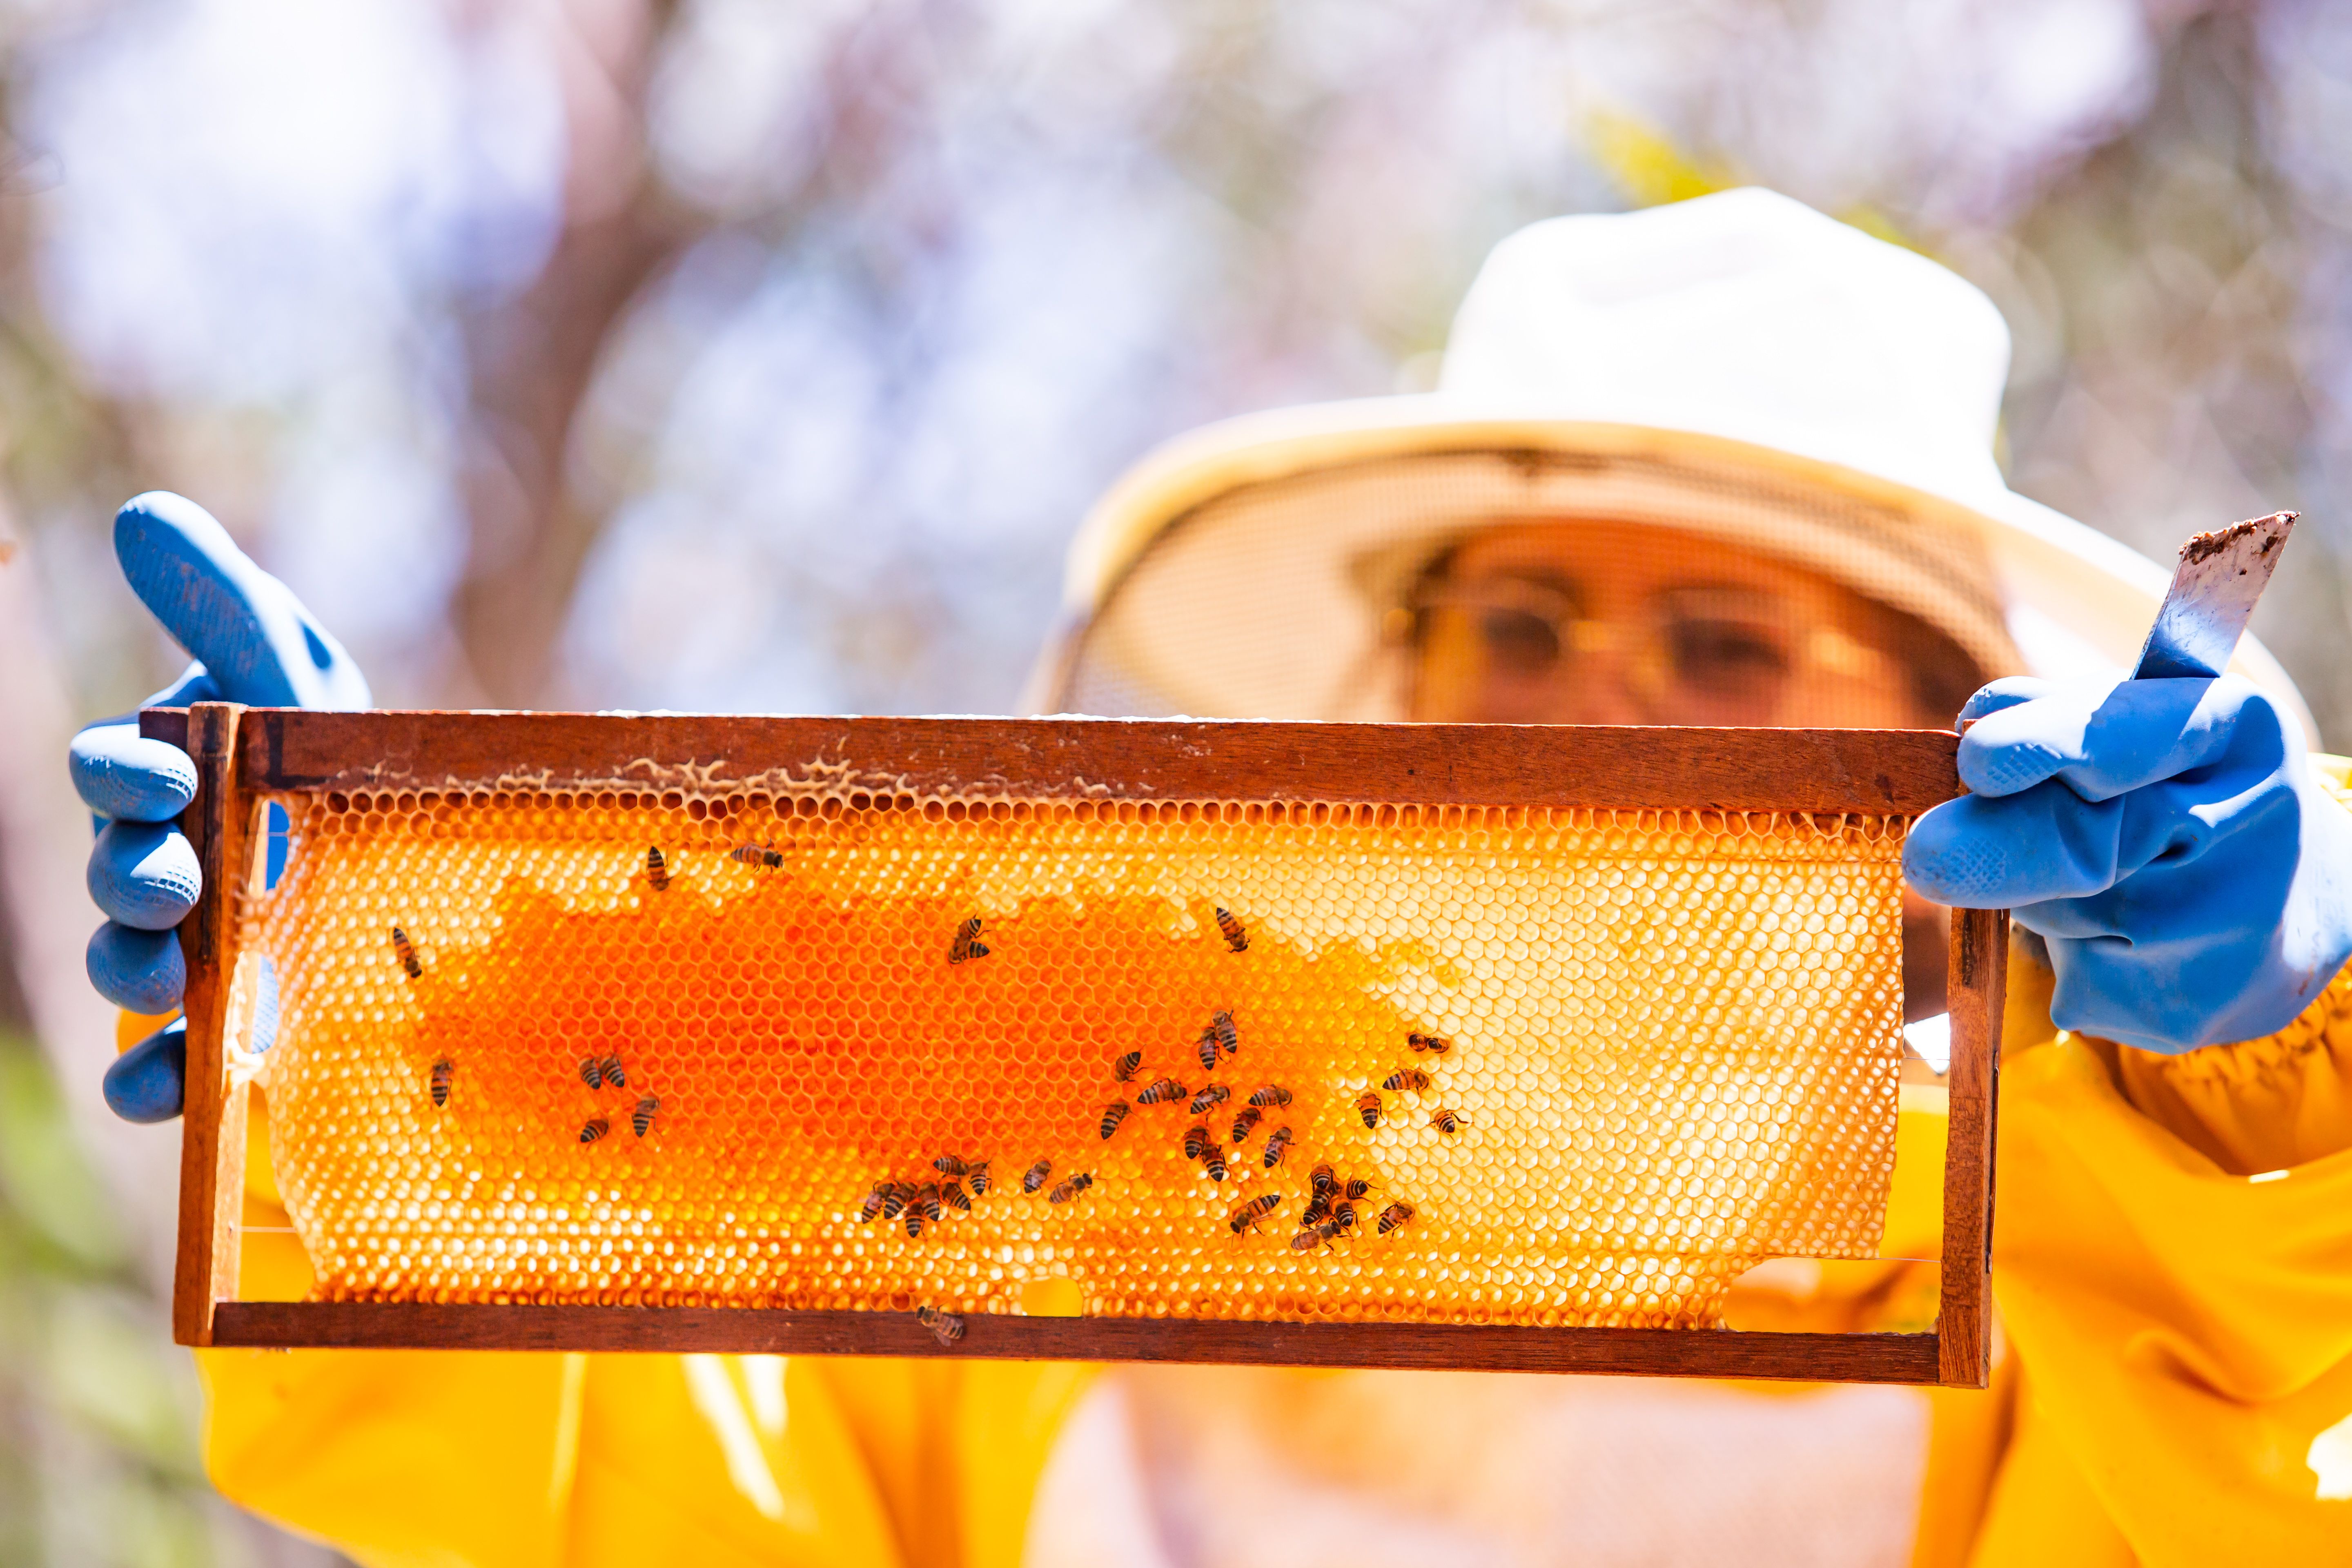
2167	838
253	643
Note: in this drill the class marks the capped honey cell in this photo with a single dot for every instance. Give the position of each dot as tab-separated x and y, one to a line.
1594	1064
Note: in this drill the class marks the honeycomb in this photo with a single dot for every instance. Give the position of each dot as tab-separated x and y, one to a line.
1557	1067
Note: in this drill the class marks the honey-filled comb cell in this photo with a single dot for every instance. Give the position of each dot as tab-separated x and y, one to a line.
1596	1060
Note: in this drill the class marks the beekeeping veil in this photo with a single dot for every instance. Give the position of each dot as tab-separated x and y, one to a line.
1738	367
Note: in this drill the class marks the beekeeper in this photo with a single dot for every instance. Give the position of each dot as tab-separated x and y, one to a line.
1725	462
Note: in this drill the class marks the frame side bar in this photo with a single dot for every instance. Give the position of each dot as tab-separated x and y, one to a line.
212	1139
1683	1352
1978	988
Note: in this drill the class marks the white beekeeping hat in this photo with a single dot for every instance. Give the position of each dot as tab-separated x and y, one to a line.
1737	366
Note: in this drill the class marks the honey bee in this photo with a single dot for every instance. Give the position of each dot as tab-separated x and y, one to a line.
1343	1218
1392	1216
1314	1235
1355	1190
1123	1068
1197	1142
1447	1122
1251	1215
1034	1176
641	1115
1275	1145
1067	1190
656	870
874	1202
1435	1045
592	1071
956	1198
1220	1037
1368	1106
946	1326
1214	1095
1319	1209
1268	1095
1410	1079
927	1202
597	1127
949	1165
1246	1124
895	1199
444	1071
967	942
914	1221
1214	1164
612	1073
979	1178
1322	1180
1235	933
1229	1040
408	960
756	854
1113	1114
1160	1091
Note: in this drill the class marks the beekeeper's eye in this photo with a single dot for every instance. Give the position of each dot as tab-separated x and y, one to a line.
1518	642
1728	643
1511	628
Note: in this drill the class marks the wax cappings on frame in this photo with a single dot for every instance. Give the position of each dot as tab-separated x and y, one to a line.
1674	1049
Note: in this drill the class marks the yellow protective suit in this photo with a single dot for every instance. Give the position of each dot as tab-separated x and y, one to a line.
2173	1261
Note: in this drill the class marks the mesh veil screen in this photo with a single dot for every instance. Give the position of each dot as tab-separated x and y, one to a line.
1670	1050
1266	601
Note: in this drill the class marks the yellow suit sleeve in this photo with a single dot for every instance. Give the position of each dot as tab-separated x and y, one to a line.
2173	1261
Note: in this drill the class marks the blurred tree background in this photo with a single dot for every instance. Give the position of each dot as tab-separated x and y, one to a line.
728	355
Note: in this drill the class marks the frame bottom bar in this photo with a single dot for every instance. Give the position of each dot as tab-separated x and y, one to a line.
1674	1352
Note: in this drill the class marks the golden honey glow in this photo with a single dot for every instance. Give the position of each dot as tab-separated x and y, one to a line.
1674	1053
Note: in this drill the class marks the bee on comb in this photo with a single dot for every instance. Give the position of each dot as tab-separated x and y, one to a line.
1161	1092
1237	934
406	952
656	870
1251	1215
967	944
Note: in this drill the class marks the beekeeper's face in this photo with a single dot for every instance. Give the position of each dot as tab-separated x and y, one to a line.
1585	623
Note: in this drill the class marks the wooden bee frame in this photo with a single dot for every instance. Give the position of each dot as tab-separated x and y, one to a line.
243	755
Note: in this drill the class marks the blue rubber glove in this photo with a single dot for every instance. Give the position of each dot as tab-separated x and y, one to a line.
2167	838
253	643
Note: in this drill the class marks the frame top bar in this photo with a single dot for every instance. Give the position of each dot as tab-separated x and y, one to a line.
1898	771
